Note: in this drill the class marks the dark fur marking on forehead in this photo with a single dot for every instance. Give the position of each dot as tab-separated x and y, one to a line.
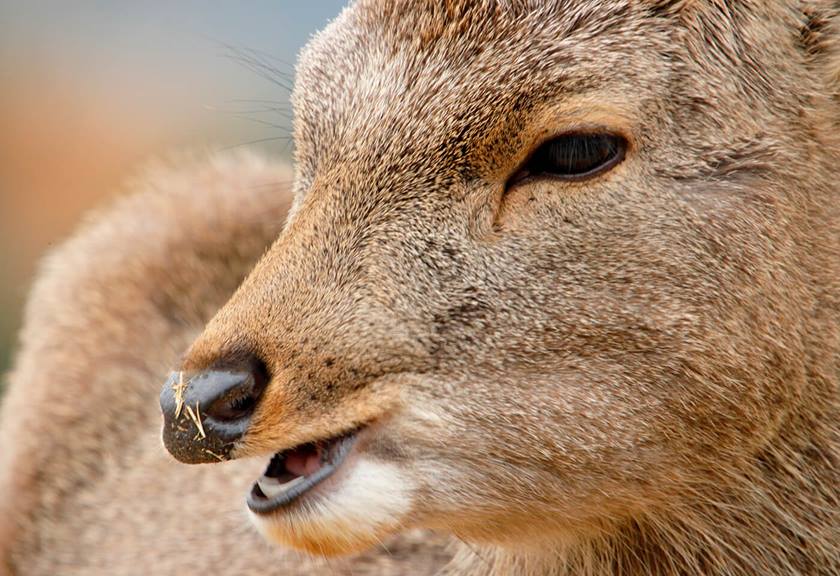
666	8
814	35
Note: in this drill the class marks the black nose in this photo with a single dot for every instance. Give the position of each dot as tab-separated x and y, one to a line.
205	413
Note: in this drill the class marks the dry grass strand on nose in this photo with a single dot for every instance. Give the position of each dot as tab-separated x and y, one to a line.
179	388
195	416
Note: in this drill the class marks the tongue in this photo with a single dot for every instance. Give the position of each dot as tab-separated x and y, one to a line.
303	462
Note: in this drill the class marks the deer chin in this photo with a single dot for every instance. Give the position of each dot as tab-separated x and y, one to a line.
329	497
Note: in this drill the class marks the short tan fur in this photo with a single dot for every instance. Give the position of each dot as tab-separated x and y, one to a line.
632	374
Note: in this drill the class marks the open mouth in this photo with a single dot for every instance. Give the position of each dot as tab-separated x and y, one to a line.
293	472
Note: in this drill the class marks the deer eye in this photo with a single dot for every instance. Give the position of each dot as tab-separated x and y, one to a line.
574	156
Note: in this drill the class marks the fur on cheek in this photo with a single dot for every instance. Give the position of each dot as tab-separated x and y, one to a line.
355	513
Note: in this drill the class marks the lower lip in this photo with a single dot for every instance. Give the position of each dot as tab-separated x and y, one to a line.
260	504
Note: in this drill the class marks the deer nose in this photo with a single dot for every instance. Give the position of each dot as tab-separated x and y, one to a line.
205	413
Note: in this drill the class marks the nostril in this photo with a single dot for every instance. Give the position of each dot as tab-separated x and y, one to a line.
235	399
236	408
237	404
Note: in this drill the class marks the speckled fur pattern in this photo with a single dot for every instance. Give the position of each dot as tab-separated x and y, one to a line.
634	374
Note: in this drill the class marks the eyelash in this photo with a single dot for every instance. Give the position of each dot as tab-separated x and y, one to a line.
573	156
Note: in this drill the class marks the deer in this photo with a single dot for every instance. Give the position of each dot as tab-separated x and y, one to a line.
552	288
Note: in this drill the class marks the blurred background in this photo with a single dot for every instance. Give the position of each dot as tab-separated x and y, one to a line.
90	90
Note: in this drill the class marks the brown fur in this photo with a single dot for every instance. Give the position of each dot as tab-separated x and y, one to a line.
635	374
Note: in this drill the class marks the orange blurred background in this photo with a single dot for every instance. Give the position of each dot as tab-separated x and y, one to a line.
90	90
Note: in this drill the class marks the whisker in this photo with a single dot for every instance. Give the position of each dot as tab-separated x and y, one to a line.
255	101
258	66
258	141
280	111
261	121
270	56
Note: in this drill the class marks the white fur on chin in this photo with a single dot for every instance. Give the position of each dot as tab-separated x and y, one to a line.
354	512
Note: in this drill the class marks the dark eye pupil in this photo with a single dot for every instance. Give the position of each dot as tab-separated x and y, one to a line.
575	156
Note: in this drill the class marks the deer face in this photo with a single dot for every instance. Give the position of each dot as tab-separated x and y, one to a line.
540	274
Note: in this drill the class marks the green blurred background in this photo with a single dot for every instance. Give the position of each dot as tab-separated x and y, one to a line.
93	89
